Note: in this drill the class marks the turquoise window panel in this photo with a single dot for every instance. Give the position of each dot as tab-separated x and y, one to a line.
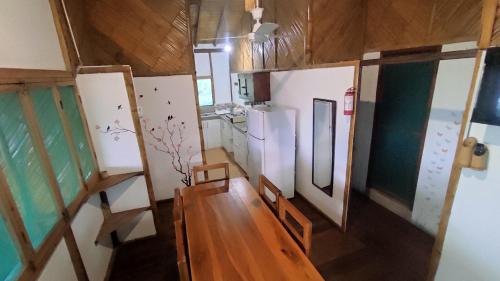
70	107
10	265
23	169
56	144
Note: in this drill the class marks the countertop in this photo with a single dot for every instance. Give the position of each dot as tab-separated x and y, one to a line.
240	126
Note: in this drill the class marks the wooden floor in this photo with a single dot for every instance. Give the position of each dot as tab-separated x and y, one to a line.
379	246
219	155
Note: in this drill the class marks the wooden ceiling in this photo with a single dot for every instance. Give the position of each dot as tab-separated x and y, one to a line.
153	35
150	35
219	18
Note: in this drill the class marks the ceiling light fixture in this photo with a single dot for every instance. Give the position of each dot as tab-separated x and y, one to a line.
228	48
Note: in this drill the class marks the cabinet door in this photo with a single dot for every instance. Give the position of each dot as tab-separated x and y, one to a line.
214	133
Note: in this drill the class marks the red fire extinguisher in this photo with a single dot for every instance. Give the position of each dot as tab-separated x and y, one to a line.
349	101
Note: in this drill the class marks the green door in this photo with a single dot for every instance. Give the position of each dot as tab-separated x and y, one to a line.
401	115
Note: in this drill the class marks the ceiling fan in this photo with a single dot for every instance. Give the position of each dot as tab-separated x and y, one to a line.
261	32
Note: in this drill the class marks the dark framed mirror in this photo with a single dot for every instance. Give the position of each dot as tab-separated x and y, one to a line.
323	158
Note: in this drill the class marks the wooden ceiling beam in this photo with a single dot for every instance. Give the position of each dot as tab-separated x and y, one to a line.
250	5
488	21
221	19
194	15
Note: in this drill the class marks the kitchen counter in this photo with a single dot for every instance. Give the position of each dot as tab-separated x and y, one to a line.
242	127
209	116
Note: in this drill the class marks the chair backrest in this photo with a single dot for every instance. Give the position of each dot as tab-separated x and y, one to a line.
182	262
178	213
206	168
286	207
266	184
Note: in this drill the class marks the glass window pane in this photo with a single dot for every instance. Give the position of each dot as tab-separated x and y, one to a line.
205	92
23	170
77	130
11	262
56	144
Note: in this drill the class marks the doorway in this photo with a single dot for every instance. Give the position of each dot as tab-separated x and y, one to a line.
403	103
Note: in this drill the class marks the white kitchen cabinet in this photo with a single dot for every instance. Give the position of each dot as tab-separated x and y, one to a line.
240	148
226	129
212	133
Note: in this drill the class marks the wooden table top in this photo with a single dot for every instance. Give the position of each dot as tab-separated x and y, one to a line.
232	235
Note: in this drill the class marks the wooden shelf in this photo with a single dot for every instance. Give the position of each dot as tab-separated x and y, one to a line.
111	181
115	220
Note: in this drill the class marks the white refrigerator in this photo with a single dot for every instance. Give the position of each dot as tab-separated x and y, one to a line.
271	147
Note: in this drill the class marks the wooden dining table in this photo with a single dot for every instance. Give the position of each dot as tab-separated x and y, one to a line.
233	235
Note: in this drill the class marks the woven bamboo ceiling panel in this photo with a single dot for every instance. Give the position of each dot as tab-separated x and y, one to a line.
455	21
291	15
152	35
397	24
337	37
149	35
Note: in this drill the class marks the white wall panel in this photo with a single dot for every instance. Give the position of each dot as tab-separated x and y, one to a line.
59	267
296	89
452	86
106	105
174	97
86	226
29	36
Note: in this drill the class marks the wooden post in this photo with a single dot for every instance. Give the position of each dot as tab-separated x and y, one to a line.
76	258
15	223
347	188
129	84
39	145
487	22
67	133
454	178
68	47
195	86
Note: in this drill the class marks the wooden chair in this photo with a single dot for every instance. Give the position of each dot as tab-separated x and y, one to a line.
206	168
182	261
266	184
285	207
178	210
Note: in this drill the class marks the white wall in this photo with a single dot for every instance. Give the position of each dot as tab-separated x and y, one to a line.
106	104
452	86
86	226
296	89
29	37
222	81
235	90
471	250
202	64
175	97
59	267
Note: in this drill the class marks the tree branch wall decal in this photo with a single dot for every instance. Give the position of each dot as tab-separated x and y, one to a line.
169	139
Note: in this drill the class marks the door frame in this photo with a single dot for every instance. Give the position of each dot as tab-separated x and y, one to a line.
423	133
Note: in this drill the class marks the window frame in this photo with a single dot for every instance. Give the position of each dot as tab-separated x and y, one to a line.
210	77
33	260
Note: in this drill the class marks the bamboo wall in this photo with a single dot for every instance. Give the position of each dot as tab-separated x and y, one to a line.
345	29
152	35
